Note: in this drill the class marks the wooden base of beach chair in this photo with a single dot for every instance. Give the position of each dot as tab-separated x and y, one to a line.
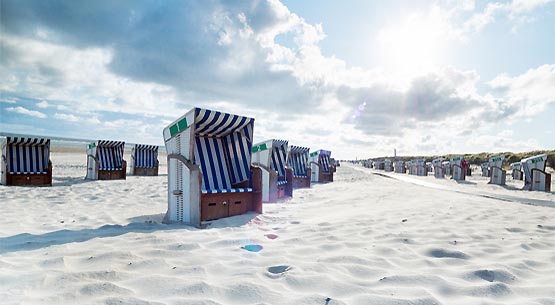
31	179
326	177
299	182
143	171
283	191
113	174
216	206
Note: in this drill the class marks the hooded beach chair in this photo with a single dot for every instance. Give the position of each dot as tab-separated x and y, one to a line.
379	165
420	168
439	170
459	173
399	167
446	167
277	178
516	171
25	161
105	160
485	169
209	167
297	158
320	166
387	165
497	174
410	167
535	177
144	160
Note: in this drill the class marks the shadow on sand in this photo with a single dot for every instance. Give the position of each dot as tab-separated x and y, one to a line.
141	224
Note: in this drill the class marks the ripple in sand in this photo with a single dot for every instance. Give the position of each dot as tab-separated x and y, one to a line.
441	253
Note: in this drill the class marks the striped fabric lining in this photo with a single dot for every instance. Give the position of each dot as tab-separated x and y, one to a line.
223	145
110	155
282	182
279	155
27	155
324	160
146	156
298	160
209	155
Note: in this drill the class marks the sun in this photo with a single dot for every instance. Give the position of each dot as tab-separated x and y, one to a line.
411	47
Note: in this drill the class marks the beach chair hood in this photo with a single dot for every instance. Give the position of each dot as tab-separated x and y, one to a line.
298	160
26	155
222	147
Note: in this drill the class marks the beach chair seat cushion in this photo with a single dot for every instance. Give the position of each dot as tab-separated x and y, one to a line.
232	190
28	155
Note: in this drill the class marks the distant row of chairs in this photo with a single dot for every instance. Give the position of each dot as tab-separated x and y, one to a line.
214	169
531	170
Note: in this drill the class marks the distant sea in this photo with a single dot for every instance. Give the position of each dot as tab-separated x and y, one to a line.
64	142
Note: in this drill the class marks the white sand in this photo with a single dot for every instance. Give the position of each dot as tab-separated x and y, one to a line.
101	242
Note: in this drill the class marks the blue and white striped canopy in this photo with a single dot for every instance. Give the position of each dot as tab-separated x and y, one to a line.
298	160
145	156
222	150
218	124
324	160
110	154
27	155
279	156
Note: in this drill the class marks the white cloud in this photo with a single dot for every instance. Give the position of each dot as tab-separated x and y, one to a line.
8	100
67	117
26	111
43	104
530	92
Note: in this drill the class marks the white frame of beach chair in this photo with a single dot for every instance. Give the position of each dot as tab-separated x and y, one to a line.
319	161
516	171
25	161
298	159
535	176
277	176
496	172
144	160
219	144
105	160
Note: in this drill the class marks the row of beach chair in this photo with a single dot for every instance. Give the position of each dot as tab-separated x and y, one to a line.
532	170
214	169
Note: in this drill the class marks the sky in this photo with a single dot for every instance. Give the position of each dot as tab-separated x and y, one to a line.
358	77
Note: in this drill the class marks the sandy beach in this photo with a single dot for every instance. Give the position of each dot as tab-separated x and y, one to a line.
364	239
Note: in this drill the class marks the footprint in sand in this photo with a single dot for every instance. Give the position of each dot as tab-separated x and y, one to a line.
279	269
252	248
271	236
